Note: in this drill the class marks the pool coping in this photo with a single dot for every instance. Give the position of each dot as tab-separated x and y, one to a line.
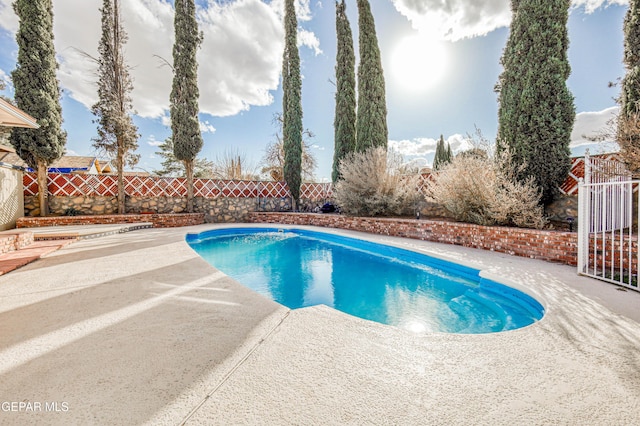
127	345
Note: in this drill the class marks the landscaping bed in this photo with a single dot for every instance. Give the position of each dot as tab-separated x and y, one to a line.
553	246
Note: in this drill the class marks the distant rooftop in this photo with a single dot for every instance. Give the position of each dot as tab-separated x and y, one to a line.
10	116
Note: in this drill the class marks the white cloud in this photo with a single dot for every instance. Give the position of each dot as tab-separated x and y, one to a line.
206	127
309	39
303	10
591	5
458	19
8	19
592	125
419	152
239	60
151	140
414	147
318	147
5	78
424	146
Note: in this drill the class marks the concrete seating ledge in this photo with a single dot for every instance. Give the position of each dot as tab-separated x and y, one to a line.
158	220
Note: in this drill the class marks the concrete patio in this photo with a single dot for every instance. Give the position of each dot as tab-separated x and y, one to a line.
136	328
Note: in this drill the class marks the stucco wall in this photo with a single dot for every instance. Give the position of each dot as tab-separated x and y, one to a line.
11	201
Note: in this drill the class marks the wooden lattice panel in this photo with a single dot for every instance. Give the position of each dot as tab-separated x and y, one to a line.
30	184
147	186
206	188
273	190
316	191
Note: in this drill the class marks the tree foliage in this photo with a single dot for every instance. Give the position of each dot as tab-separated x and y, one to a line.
273	159
117	135
344	123
443	154
172	167
371	120
628	129
37	92
536	111
292	105
233	165
185	126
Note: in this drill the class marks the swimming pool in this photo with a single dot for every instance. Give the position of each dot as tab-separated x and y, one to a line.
389	285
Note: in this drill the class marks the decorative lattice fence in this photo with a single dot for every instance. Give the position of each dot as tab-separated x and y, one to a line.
149	186
75	185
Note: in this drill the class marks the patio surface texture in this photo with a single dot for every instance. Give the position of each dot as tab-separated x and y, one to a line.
136	328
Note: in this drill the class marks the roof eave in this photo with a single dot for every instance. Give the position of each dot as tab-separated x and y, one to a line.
11	116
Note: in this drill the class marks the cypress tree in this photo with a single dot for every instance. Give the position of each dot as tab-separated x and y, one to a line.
292	105
37	91
443	154
117	135
344	123
187	139
629	116
371	124
172	167
536	111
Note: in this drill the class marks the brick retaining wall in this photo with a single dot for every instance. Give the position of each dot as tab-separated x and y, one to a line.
158	220
553	246
14	240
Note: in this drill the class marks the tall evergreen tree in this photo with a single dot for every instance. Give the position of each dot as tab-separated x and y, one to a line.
172	167
344	123
536	111
292	105
371	124
629	117
187	139
117	135
443	154
37	91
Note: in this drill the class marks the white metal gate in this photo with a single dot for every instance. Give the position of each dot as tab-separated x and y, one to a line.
607	246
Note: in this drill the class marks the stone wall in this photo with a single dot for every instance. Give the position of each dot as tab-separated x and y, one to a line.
563	207
566	206
216	210
554	246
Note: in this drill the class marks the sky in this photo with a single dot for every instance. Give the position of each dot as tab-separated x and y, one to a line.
441	61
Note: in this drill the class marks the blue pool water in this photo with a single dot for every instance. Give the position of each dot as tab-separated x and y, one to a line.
300	268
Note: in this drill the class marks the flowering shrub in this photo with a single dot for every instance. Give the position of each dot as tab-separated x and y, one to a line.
484	190
372	184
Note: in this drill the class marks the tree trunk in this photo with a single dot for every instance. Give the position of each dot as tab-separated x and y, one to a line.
188	165
43	190
121	195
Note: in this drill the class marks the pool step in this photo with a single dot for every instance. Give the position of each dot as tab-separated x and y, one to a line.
17	258
83	232
20	247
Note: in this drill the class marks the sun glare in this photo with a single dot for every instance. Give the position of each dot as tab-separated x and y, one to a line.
419	63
